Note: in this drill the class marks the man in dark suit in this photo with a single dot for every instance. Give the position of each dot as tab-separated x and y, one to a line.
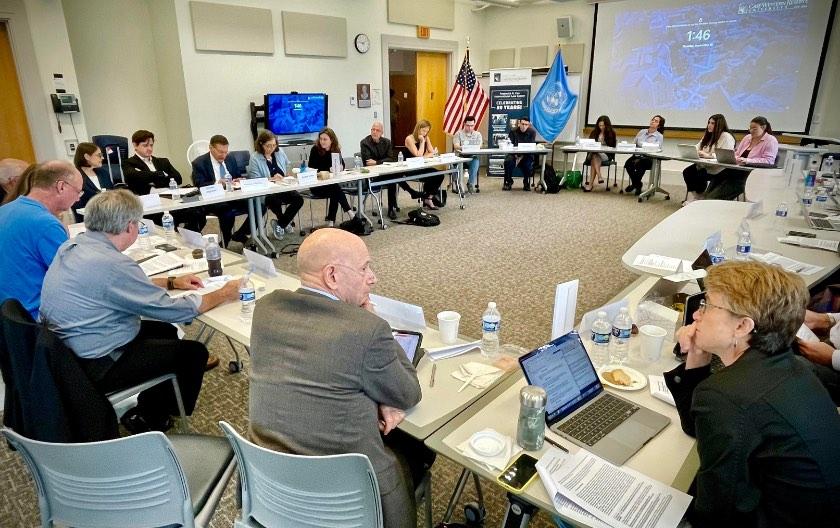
143	171
331	379
523	133
214	167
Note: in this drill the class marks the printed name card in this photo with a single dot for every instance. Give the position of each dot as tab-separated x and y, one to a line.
208	192
259	263
527	146
254	184
448	156
307	177
470	148
150	201
415	162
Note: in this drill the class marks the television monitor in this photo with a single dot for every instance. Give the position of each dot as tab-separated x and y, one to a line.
296	113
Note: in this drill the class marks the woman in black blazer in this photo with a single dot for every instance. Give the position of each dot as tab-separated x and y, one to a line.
88	158
320	159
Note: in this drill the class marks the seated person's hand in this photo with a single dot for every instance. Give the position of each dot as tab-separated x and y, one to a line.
370	162
695	357
231	290
187	282
817	321
819	353
389	418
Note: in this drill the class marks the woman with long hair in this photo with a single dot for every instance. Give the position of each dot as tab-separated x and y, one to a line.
758	148
697	176
419	145
603	133
269	161
320	159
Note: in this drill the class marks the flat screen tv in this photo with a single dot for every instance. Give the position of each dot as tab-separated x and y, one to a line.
296	113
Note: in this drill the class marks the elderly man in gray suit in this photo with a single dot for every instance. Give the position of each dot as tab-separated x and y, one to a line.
327	376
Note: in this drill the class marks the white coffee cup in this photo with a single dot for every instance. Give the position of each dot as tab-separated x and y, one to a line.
651	342
448	322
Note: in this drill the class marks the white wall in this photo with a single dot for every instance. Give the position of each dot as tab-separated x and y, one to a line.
220	86
41	48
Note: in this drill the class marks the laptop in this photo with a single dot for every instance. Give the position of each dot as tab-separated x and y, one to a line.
688	151
725	156
820	221
410	343
578	407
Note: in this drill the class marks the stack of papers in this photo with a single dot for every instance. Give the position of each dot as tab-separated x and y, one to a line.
788	264
452	350
815	243
161	263
658	262
593	492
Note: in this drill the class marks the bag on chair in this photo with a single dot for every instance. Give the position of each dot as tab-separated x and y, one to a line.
550	180
421	218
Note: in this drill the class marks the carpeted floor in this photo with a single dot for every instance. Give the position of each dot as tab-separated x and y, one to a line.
507	247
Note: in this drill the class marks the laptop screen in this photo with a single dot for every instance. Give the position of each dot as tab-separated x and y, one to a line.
562	367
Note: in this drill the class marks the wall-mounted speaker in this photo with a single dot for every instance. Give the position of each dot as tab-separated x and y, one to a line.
564	27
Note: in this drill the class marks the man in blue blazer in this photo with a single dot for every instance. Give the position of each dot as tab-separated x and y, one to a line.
213	167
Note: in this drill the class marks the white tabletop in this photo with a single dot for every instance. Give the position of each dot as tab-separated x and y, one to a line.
539	149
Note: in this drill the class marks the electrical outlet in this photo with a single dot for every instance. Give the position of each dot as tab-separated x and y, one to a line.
70	145
352	100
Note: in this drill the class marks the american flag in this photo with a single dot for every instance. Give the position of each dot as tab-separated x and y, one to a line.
467	98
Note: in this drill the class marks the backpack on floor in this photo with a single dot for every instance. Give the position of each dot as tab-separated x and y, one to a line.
421	218
551	182
357	226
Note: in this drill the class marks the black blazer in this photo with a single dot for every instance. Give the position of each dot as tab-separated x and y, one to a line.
140	179
89	190
203	173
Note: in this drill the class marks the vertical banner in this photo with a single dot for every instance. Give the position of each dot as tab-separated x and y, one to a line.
510	99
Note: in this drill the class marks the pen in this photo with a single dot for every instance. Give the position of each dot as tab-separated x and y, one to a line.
555	444
432	379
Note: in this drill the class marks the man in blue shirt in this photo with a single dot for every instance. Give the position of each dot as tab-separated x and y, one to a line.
31	231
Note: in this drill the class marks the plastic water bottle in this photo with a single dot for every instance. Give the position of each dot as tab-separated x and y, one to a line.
601	332
145	236
781	214
357	163
828	166
810	179
744	247
821	198
491	324
247	298
808	198
228	181
620	342
302	163
718	253
435	152
400	157
214	258
168	223
173	185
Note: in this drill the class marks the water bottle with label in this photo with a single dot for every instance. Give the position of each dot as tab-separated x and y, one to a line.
228	181
781	214
302	162
744	247
718	253
620	342
400	157
145	236
810	179
821	199
247	298
173	185
214	258
168	223
808	198
357	163
601	332
491	324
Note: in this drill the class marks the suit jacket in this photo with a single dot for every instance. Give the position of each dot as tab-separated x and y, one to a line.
767	435
318	375
203	172
140	179
258	166
89	190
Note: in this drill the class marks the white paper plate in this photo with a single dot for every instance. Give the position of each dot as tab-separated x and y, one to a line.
637	379
487	443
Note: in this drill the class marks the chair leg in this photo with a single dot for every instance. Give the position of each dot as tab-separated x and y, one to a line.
183	413
427	492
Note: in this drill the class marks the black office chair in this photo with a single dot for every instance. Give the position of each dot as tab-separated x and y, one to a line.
114	151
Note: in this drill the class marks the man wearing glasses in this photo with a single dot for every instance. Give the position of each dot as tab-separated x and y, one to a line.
469	137
31	231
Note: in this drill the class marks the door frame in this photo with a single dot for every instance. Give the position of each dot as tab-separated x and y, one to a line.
394	42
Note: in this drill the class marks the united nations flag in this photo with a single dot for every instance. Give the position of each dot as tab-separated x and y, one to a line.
554	102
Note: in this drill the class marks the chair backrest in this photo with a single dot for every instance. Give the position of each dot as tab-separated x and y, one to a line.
130	482
115	151
242	157
282	490
196	149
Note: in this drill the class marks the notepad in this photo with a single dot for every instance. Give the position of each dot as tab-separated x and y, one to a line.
161	263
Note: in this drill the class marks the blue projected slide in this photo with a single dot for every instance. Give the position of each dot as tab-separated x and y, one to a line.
688	60
296	113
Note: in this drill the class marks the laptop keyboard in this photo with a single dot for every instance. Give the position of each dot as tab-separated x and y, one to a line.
822	223
598	419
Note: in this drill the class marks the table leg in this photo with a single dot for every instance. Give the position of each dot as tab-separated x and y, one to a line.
655	181
542	171
457	183
255	235
565	164
519	513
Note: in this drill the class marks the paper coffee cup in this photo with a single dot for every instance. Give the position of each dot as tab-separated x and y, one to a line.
651	342
448	323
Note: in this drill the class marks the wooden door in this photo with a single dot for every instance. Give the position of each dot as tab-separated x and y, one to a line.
403	107
15	141
431	93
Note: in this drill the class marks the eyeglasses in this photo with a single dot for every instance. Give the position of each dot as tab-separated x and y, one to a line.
706	304
367	270
80	191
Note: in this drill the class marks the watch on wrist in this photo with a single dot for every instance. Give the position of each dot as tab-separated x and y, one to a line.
170	283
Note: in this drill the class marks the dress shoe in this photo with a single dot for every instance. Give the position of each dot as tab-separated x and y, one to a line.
240	236
437	202
629	188
212	362
392	214
507	186
136	423
477	190
638	191
526	188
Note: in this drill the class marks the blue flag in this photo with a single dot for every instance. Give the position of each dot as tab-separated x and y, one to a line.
554	102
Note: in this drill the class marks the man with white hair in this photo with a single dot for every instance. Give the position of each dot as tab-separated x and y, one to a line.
10	171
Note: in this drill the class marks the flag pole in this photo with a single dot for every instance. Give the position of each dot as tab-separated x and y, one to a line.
464	99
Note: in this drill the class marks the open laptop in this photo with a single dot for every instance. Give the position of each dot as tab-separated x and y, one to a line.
820	221
725	156
578	407
688	151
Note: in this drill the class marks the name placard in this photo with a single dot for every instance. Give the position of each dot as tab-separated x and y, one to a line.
253	184
308	177
212	191
260	264
150	201
415	162
527	146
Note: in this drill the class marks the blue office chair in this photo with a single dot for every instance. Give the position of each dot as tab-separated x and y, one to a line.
114	151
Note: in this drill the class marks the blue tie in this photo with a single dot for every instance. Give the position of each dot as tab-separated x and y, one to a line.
221	171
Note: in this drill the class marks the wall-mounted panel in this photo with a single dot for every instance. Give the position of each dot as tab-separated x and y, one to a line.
533	57
314	35
432	13
502	58
220	27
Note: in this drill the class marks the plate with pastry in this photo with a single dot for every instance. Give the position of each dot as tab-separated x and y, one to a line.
622	377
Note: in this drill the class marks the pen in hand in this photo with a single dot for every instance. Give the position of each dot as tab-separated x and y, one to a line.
432	378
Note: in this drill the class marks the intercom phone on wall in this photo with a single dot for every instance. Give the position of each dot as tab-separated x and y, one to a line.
64	103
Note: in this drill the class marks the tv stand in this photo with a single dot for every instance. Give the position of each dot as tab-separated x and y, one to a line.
295	142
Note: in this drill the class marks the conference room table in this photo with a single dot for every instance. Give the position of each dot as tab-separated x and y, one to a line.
655	172
400	171
670	457
442	400
538	150
683	233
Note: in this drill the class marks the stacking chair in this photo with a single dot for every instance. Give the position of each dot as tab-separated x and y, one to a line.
280	490
609	164
114	151
133	482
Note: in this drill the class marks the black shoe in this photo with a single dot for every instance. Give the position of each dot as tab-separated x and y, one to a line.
629	188
392	214
437	201
638	191
526	188
240	236
507	186
477	190
136	423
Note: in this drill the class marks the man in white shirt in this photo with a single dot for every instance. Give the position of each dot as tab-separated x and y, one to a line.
469	137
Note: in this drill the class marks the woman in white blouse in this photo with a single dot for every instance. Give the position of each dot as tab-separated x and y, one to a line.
696	176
